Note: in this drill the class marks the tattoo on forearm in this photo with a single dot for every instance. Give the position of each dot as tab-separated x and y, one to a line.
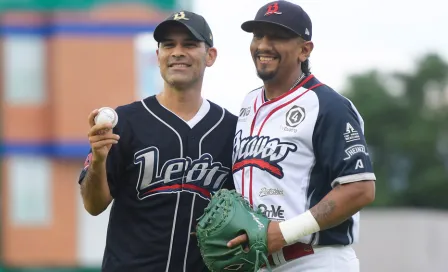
323	210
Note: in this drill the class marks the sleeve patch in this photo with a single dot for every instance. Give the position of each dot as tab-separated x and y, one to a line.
354	149
88	161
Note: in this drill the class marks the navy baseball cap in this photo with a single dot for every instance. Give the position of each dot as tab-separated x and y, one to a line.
284	14
195	23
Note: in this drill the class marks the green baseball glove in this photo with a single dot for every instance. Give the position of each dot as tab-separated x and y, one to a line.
227	216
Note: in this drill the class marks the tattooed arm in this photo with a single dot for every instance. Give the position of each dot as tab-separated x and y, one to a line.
337	206
343	202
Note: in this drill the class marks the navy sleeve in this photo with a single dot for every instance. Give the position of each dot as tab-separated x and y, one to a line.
233	119
114	164
339	144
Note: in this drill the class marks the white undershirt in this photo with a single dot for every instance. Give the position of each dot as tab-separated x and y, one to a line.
203	110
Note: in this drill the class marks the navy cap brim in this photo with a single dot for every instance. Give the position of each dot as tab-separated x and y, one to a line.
160	31
249	26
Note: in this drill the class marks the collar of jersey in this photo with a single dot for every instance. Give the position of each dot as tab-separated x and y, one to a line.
293	89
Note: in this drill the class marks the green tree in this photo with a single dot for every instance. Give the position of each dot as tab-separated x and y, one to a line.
406	117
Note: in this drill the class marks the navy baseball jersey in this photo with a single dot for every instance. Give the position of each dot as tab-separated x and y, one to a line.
161	174
291	151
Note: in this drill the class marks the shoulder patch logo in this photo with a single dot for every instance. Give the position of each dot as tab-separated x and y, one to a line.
351	134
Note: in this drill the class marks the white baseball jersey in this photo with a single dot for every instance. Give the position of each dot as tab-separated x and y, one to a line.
291	151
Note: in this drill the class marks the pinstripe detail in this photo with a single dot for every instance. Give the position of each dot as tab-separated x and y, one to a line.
172	234
166	124
188	234
210	130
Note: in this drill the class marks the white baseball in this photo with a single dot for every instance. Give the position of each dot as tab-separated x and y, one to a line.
106	115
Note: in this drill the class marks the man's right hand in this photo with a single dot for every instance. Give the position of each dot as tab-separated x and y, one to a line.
101	138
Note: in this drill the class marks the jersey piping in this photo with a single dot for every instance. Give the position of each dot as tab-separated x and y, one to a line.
265	120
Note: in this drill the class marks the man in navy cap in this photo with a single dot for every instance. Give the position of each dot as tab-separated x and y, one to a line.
299	153
162	161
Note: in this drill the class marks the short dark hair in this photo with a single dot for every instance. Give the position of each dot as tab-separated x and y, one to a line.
305	66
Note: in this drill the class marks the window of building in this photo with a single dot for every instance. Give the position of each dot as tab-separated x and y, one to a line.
30	192
24	69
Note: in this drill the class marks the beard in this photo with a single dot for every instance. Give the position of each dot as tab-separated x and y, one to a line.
266	72
266	75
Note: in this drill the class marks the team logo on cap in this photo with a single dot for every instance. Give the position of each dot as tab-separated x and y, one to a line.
180	16
272	9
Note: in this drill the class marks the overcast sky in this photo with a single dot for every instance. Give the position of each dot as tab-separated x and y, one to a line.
350	36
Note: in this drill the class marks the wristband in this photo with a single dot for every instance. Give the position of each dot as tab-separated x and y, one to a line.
300	226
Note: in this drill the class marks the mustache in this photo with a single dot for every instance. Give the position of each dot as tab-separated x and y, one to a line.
178	60
266	52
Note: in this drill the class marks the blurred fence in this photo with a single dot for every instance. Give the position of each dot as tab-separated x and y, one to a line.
411	240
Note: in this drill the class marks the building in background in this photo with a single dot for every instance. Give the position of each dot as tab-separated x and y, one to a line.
57	65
